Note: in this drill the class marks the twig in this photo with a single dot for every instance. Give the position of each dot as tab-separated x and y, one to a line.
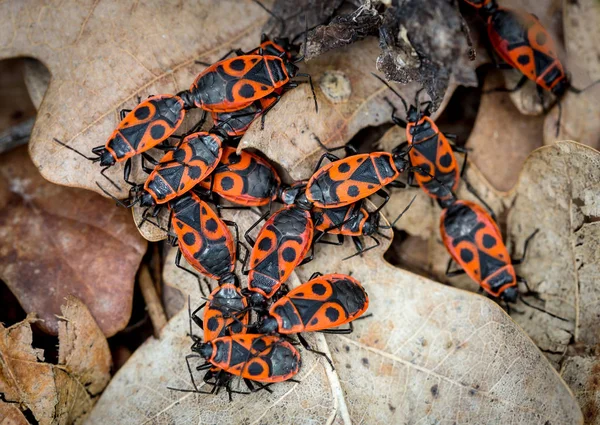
153	305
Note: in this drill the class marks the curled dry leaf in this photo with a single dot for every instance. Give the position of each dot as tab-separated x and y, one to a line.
425	42
91	248
55	394
83	349
344	30
106	57
354	102
429	352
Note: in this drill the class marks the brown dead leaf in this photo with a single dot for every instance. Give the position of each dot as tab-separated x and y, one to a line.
502	137
55	394
11	415
356	101
83	349
24	377
429	353
90	248
107	55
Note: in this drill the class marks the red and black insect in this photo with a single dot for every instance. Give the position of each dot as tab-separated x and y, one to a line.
235	124
322	303
203	238
474	241
429	149
181	169
225	312
280	246
352	220
232	352
346	181
260	358
244	179
143	128
523	43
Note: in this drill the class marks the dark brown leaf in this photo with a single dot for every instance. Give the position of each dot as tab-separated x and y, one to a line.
58	241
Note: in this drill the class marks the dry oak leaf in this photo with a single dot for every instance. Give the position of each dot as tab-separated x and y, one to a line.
349	98
430	353
91	249
110	53
11	415
56	394
580	112
558	192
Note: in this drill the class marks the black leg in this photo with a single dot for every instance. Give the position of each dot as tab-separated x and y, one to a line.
525	247
464	165
320	353
329	156
127	173
103	171
251	241
196	275
195	390
346	331
480	199
124	112
452	273
315	275
559	106
359	246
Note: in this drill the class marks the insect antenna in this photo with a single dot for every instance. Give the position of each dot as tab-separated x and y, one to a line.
393	90
522	298
589	86
89	158
270	12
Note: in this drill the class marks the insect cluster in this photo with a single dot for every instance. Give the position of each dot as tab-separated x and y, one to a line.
252	332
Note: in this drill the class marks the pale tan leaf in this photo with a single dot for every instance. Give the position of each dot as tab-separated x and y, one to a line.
83	349
429	353
109	54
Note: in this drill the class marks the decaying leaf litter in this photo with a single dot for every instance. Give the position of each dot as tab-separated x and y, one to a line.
562	298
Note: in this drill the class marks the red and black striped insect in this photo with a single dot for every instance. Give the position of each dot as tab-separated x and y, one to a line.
345	181
225	312
474	241
322	303
429	149
259	358
352	220
181	169
145	127
280	246
203	238
522	42
231	354
235	124
244	179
